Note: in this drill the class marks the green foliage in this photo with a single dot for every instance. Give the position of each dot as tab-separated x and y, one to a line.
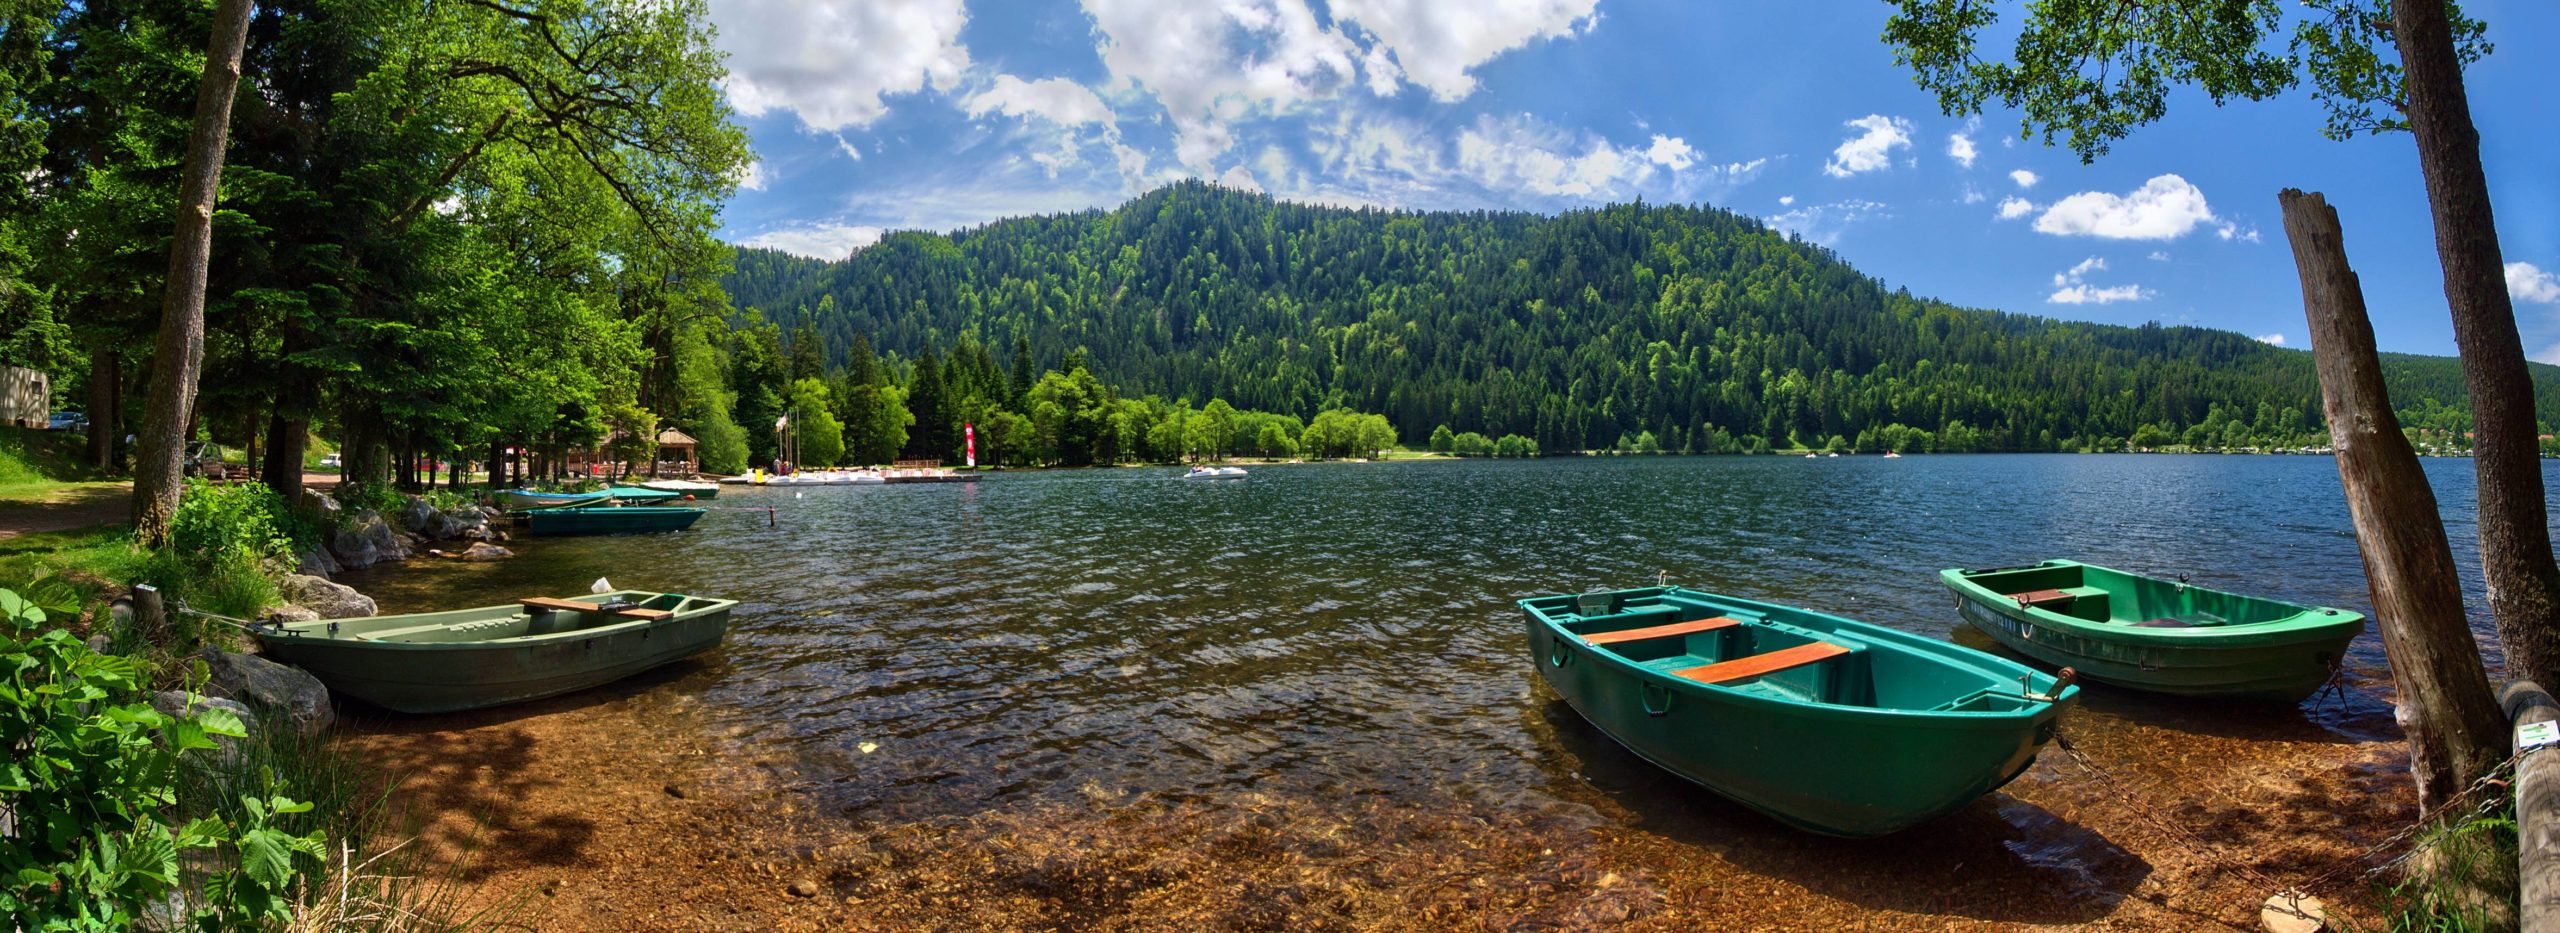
1705	327
92	782
2464	879
821	436
355	498
1442	441
2097	71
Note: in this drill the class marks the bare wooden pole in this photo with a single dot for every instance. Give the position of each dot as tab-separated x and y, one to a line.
179	359
2537	806
2455	731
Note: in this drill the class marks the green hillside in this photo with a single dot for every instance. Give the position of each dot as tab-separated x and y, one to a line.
1703	327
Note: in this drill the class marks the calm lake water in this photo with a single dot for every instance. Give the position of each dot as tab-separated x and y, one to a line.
1340	632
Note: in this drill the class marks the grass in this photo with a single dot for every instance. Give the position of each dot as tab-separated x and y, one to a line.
38	465
2463	879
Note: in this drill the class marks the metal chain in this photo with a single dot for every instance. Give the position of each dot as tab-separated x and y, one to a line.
2212	852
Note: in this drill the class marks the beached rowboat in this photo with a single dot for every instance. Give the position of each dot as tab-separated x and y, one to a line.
2158	635
469	658
609	520
1829	725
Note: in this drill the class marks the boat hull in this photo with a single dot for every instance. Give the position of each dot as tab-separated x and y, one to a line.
615	520
2288	653
440	677
521	499
696	490
1834	768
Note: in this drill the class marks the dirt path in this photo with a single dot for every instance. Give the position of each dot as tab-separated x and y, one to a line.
75	505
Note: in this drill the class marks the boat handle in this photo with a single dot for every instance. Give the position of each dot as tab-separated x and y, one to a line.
1557	654
1645	692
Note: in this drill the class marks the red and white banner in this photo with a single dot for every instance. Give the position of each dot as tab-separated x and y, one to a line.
970	431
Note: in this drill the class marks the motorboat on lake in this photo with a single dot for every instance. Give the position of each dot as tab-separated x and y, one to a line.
1210	472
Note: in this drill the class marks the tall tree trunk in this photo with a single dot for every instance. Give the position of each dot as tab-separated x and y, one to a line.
105	402
171	406
2456	733
2515	542
286	442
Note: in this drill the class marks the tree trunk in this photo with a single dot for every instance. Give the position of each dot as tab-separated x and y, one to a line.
104	404
171	406
2456	733
287	440
2515	542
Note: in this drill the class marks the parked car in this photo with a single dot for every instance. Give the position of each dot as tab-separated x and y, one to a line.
67	421
204	458
331	461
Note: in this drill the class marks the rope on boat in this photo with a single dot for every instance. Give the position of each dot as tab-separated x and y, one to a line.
180	606
2291	894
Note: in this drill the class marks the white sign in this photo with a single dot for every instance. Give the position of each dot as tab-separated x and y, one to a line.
2537	734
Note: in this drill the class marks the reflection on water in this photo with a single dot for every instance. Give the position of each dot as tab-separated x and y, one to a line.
1343	636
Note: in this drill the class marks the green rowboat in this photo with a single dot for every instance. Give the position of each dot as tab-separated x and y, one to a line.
522	499
469	658
2158	635
642	494
609	520
1829	725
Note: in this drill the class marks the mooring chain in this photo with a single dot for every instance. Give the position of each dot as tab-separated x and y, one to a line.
2492	778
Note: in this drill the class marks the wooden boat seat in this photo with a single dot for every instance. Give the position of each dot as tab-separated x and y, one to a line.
1759	664
1660	631
2041	597
571	605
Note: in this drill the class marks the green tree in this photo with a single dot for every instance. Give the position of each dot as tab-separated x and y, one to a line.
1212	432
1441	440
928	400
821	435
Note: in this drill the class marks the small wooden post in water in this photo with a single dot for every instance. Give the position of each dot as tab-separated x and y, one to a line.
2455	732
2537	720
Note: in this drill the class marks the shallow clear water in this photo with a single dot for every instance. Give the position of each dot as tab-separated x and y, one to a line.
1343	632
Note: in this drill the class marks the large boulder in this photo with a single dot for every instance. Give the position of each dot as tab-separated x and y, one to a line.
417	516
330	600
368	540
469	523
318	562
319	507
280	694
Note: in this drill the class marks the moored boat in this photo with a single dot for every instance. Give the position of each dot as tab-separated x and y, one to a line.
530	499
642	494
2152	634
470	658
1209	472
1826	724
609	520
698	490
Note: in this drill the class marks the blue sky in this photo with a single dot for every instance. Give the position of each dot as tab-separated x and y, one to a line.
873	115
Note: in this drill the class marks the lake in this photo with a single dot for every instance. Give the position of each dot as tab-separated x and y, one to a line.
1115	663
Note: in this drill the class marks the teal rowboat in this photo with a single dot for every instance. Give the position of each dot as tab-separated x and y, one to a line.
520	499
685	487
642	494
609	520
1829	725
2158	635
469	658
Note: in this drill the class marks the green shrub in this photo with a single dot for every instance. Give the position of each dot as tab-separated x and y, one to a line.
354	498
249	519
91	785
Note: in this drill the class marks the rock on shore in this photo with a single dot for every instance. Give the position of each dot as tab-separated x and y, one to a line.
287	694
328	600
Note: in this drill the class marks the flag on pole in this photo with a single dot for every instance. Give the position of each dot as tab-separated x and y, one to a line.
970	431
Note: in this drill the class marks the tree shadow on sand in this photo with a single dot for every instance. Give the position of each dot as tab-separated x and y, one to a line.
2000	859
468	780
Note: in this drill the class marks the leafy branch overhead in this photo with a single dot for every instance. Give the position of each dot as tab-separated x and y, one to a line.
2093	71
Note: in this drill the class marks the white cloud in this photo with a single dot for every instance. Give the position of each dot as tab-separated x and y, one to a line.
1869	150
2024	178
1786	199
2092	295
1672	151
833	63
2159	255
1973	195
2070	289
2014	208
2164	208
2549	354
817	241
1523	153
1211	65
1960	148
2527	283
1437	43
2232	231
1824	223
1057	100
752	177
2272	340
847	148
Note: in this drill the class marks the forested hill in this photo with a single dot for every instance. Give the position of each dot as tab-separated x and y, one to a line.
1692	323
